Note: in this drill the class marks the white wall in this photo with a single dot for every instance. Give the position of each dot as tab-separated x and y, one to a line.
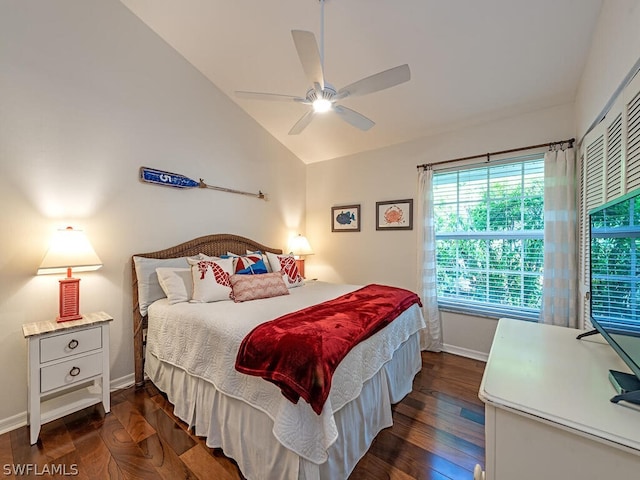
88	94
615	49
389	174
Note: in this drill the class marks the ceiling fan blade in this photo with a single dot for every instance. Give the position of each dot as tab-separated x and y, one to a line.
354	118
379	81
302	123
270	97
309	55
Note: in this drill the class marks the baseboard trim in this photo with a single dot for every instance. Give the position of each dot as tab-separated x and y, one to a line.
11	423
465	352
122	382
20	419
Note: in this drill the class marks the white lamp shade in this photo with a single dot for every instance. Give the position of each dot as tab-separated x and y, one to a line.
69	249
299	245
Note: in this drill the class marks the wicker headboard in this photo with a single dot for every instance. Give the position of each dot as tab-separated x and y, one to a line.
212	245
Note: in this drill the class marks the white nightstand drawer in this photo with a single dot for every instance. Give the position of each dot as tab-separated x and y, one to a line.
69	372
72	343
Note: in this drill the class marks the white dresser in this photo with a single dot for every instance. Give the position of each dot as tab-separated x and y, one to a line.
547	409
68	367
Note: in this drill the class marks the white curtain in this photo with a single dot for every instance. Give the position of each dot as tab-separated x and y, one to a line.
431	337
560	286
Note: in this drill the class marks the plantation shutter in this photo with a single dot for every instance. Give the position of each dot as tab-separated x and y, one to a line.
633	138
610	168
592	195
613	172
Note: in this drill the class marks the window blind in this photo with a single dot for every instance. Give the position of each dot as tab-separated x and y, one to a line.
489	238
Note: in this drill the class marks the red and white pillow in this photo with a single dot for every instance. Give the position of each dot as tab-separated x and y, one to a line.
253	287
211	279
250	264
286	264
265	259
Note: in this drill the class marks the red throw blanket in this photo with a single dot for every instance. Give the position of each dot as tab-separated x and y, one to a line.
300	351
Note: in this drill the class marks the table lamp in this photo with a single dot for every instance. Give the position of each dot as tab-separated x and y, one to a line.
69	249
299	246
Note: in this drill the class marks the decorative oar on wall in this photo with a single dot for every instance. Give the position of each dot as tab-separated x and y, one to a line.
169	179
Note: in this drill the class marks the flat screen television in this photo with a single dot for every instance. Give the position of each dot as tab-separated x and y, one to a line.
615	286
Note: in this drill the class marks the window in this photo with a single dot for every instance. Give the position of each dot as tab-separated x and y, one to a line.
489	238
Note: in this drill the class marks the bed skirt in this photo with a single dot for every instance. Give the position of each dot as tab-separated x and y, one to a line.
244	433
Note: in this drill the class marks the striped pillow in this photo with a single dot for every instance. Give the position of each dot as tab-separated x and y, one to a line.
247	264
287	265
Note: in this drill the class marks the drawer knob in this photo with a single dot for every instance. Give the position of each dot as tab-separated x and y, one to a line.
73	344
74	372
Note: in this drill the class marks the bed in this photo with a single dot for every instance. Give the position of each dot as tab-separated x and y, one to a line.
247	417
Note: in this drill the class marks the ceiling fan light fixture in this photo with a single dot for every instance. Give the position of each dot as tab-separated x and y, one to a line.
322	96
321	105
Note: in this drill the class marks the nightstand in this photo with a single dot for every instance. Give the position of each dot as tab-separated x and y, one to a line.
68	367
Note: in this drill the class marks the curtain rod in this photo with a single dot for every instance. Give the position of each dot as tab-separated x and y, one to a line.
488	155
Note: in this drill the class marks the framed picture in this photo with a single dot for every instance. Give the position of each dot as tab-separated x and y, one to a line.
394	215
345	218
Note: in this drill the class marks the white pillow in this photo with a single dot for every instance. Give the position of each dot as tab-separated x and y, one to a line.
211	279
176	283
287	263
149	289
203	256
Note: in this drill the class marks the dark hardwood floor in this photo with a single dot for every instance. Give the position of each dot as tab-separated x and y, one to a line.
438	433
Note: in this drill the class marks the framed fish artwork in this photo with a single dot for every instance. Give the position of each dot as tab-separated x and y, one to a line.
394	215
345	218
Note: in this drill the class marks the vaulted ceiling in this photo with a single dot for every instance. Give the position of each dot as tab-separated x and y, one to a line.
471	60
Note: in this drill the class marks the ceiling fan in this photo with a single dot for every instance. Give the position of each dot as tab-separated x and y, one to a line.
322	96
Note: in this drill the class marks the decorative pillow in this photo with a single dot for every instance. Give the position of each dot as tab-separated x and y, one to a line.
287	264
247	264
264	258
176	283
149	289
252	287
202	256
211	279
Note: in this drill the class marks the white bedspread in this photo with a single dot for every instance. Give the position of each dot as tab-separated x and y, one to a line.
203	339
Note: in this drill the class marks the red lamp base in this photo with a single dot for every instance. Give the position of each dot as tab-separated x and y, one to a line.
300	265
69	300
